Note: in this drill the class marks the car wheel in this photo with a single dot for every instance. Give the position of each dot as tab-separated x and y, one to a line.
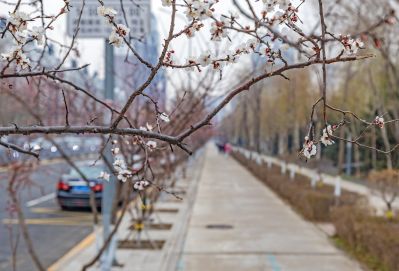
64	208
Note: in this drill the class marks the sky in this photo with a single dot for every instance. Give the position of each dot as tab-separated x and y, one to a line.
92	50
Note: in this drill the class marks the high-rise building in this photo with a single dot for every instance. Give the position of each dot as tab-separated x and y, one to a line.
130	73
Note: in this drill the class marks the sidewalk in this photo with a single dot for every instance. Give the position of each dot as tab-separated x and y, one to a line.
228	221
168	210
265	233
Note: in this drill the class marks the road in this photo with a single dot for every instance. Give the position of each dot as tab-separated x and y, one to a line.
53	231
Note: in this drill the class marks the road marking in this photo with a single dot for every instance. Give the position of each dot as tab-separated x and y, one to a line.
37	201
57	211
87	241
273	262
59	221
180	264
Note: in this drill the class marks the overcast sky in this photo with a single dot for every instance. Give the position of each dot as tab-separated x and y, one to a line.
92	49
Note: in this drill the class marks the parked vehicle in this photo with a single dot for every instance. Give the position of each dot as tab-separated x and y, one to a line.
74	192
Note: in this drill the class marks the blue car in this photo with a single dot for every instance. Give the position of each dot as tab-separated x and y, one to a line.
74	192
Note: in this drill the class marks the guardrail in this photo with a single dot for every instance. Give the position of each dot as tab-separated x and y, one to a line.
314	176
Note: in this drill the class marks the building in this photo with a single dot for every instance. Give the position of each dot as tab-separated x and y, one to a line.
130	73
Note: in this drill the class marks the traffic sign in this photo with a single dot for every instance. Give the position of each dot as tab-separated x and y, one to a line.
92	25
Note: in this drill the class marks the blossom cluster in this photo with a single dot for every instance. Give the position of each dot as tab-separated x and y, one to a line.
379	121
218	30
122	172
17	54
326	136
207	58
351	46
17	25
275	12
119	31
199	9
309	148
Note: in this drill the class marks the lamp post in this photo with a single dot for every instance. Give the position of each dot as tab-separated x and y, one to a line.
109	187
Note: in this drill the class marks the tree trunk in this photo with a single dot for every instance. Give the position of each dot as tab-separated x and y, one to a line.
24	229
356	152
257	120
244	124
387	145
282	143
341	151
296	137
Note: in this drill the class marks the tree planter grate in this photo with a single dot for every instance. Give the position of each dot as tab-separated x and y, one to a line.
142	244
219	226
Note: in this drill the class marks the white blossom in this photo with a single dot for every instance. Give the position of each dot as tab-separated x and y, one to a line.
117	35
217	29
191	60
199	9
164	117
351	45
149	126
106	11
234	15
325	138
115	151
122	30
119	164
151	144
104	175
309	149
190	30
18	21
115	39
124	174
218	65
379	121
205	58
37	33
18	56
141	185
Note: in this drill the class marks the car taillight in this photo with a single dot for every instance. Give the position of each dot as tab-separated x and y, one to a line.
98	187
63	186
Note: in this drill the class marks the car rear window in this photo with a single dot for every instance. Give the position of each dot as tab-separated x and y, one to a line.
88	171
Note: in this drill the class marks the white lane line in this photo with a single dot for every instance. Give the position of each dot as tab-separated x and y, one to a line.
40	200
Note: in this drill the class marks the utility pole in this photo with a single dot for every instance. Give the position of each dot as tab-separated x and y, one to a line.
109	187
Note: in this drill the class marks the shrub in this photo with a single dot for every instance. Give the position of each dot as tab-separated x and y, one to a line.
373	240
386	182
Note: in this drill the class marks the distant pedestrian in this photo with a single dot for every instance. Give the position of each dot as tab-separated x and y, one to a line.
220	147
227	148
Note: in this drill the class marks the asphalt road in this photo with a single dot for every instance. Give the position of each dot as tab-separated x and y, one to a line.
54	232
